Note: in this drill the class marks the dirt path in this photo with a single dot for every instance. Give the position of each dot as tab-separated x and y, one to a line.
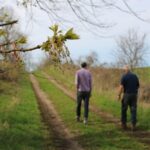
141	136
62	137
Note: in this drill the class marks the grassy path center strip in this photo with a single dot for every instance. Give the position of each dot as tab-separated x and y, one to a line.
50	115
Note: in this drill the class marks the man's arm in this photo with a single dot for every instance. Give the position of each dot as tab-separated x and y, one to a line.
77	81
90	83
121	87
120	91
138	83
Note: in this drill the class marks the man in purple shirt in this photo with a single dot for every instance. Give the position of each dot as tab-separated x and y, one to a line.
83	81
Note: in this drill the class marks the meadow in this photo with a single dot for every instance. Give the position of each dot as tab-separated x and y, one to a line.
105	88
22	126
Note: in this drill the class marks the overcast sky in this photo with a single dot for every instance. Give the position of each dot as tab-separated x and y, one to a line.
37	28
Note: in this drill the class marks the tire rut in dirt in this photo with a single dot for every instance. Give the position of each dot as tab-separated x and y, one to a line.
62	138
58	138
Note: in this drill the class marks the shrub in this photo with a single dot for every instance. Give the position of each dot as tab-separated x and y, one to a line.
145	93
10	71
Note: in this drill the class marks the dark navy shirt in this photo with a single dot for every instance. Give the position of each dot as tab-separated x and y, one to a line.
130	82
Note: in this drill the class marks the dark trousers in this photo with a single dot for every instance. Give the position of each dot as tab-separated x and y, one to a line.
83	96
131	101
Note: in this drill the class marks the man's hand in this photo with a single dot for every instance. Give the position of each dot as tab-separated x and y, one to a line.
120	92
90	94
119	97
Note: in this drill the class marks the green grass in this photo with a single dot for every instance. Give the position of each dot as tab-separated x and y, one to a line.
114	107
20	122
97	135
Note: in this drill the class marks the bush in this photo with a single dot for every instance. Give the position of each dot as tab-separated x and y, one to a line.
7	87
145	93
9	75
9	71
105	79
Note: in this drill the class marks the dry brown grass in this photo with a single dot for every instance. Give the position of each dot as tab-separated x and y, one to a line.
9	76
10	71
107	80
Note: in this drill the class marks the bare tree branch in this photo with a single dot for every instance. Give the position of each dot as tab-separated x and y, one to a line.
8	23
131	49
8	43
81	16
21	50
87	12
133	12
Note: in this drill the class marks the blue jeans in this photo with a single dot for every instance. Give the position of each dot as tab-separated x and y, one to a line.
83	96
131	101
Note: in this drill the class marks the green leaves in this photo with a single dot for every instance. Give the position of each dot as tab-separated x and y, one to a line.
46	45
2	32
55	45
21	40
71	35
54	28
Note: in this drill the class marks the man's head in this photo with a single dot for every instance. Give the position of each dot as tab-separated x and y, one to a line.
126	69
84	65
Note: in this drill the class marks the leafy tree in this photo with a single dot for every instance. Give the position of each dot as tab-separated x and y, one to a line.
10	36
54	45
13	43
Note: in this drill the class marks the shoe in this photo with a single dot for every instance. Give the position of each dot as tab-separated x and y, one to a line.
133	127
85	121
78	119
124	126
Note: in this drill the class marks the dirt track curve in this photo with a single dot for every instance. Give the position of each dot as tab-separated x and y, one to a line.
62	136
140	135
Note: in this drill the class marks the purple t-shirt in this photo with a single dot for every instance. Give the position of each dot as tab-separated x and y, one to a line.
83	80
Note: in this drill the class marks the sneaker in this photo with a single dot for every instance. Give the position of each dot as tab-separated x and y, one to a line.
85	121
124	126
78	119
133	127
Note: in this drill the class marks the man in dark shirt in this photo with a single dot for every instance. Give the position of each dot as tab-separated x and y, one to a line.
129	85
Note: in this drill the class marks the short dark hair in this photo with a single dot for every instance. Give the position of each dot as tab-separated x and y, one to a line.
83	65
